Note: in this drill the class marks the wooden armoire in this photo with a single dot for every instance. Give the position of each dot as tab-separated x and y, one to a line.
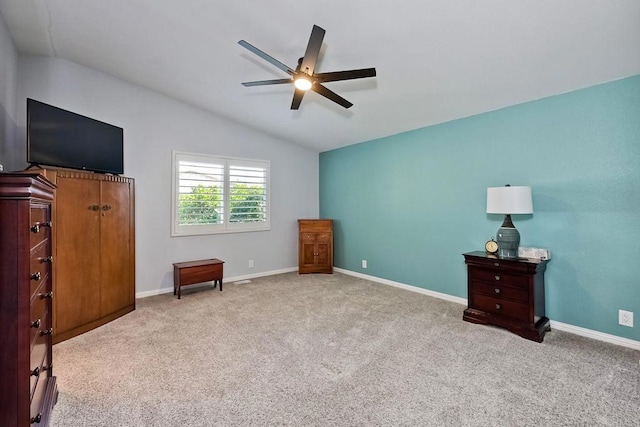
94	255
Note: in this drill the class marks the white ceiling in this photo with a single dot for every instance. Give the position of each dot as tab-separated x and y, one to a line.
437	60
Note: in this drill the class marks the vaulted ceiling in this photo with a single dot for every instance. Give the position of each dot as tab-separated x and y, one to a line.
436	60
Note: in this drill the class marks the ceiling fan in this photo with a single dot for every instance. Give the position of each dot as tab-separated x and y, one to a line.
304	77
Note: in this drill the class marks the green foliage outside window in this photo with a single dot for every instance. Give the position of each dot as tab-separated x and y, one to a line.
204	205
201	206
247	203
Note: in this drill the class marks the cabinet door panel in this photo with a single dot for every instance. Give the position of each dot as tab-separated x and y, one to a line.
323	254
115	241
308	252
76	297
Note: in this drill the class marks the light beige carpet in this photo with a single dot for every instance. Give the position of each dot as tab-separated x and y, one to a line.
333	350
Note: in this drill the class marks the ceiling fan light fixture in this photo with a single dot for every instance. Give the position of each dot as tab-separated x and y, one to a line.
304	76
303	83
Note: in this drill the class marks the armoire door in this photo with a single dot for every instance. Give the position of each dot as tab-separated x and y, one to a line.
77	298
115	245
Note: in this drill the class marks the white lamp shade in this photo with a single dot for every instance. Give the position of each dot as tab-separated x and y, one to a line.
509	200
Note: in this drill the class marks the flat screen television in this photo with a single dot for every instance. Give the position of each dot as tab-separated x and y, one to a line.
57	137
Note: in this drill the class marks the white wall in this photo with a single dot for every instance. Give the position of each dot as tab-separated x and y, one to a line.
8	88
154	125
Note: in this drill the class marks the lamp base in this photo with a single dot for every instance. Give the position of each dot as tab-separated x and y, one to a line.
508	239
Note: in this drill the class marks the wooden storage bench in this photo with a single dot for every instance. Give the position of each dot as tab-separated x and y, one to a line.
191	272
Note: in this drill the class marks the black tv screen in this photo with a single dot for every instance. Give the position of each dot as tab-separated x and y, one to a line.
57	137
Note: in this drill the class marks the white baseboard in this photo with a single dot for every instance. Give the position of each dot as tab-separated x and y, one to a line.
227	281
404	286
600	336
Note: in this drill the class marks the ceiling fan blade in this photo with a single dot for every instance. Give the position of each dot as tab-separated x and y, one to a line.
313	50
345	75
297	99
318	88
267	82
266	57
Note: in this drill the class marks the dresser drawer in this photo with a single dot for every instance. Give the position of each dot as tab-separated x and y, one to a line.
39	267
499	291
40	227
37	360
39	317
500	306
40	387
497	276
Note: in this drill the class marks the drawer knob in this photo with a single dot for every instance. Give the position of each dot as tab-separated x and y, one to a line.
48	258
497	277
47	332
496	264
36	227
47	295
498	306
36	324
497	290
36	276
36	419
36	372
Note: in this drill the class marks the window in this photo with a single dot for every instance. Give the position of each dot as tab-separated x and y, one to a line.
219	195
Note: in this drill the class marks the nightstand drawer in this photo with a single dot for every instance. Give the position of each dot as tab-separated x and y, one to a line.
496	276
314	225
491	262
514	310
501	292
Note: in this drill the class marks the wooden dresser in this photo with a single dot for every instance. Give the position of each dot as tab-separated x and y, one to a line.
315	246
94	237
28	389
508	293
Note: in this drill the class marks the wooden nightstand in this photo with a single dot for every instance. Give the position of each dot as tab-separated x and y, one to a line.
508	293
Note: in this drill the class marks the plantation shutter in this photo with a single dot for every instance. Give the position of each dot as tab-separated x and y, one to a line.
201	192
247	192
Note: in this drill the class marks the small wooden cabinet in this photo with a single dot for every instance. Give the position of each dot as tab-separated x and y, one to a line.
315	246
27	386
508	293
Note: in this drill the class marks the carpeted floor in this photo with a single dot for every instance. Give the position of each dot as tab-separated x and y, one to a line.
333	350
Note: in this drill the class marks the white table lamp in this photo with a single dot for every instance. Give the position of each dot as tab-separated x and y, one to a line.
509	200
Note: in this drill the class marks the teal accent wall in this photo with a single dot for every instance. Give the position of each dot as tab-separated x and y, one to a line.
412	203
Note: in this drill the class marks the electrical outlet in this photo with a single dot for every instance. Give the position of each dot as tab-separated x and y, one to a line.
250	263
625	318
364	263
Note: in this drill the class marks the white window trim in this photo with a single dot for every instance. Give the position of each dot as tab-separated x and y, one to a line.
226	226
